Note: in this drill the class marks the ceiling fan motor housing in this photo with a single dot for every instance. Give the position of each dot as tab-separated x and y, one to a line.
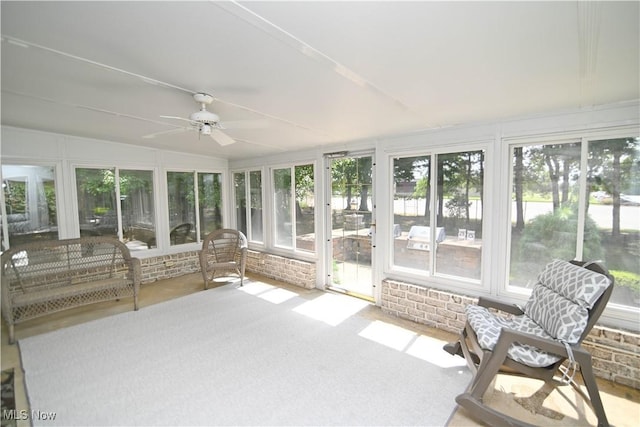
204	116
203	98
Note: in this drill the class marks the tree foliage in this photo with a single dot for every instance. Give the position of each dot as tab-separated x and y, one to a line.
352	176
553	236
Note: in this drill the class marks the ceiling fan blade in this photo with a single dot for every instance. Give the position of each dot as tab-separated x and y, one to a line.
179	118
166	132
221	138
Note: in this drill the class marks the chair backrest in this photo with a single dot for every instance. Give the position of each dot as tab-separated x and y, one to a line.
568	298
180	233
601	303
224	245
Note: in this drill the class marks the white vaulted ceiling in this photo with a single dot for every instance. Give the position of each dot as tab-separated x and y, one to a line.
306	74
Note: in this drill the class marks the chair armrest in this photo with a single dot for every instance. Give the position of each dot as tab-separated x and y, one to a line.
510	336
499	305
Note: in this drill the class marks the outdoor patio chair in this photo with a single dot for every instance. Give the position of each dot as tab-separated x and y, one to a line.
223	250
538	340
180	233
177	236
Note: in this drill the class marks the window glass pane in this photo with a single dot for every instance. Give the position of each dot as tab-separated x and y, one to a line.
210	201
182	214
97	213
544	208
255	187
458	237
282	207
411	241
613	226
305	208
30	203
137	207
241	201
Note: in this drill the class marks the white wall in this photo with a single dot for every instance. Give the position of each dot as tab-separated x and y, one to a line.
24	146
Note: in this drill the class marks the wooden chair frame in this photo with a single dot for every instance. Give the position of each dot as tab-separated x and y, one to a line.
486	364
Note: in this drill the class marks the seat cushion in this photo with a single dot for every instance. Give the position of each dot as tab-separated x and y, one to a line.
561	298
488	327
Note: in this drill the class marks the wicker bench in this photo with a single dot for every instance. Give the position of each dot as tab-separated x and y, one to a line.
45	277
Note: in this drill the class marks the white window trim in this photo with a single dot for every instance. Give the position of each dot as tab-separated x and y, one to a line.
614	314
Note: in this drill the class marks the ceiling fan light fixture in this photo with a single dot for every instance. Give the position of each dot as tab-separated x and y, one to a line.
205	129
203	121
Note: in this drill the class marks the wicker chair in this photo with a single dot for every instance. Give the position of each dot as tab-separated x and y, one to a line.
223	250
537	340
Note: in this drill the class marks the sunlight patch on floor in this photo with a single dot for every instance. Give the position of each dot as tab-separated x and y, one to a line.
267	292
416	345
430	349
331	309
255	288
278	295
389	335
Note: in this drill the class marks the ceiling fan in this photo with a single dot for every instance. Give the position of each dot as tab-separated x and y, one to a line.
204	121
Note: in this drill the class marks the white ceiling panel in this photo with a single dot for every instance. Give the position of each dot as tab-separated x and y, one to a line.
310	73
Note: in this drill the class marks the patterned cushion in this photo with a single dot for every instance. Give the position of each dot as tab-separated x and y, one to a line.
488	327
560	299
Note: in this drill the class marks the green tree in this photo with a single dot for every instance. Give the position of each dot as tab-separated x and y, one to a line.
417	169
343	178
304	184
518	186
556	231
364	171
611	170
15	197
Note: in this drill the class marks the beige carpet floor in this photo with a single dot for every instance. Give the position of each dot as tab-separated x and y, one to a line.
621	403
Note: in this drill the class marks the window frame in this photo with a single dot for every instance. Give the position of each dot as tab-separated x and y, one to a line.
62	220
75	220
164	240
431	278
247	188
613	315
270	239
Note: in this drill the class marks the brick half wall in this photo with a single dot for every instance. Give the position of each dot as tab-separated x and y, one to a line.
615	353
292	271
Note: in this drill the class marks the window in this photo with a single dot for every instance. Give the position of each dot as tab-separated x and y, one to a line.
294	207
282	206
613	206
209	202
249	207
184	218
138	208
256	233
240	187
438	228
99	213
577	199
460	178
544	207
182	207
29	203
